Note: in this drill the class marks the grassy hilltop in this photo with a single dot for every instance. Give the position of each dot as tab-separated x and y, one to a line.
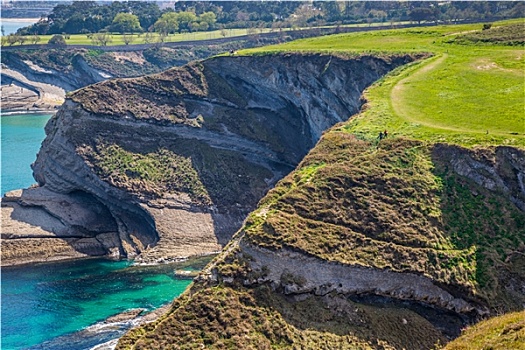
472	85
411	203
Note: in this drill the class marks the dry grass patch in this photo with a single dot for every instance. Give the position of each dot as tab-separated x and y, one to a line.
224	318
505	332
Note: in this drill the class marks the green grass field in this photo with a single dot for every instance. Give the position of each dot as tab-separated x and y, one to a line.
116	38
467	93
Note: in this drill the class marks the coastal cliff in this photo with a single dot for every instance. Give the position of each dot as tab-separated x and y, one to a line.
176	160
341	240
36	78
389	245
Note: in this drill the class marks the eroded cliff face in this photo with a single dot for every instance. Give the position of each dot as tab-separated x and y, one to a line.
397	244
180	158
66	69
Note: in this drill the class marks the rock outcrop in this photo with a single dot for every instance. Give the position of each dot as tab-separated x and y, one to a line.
296	273
179	159
499	170
36	78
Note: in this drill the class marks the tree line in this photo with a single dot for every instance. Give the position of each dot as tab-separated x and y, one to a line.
85	17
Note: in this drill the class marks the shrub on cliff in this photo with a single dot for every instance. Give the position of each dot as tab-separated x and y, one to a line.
57	40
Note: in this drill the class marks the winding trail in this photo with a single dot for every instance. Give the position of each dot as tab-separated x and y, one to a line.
399	91
400	94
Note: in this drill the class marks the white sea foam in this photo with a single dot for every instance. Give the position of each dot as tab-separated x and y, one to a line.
110	345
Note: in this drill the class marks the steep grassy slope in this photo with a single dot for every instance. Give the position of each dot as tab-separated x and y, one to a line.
505	332
256	318
351	249
399	205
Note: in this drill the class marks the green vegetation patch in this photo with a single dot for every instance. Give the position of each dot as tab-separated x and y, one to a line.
467	94
506	332
152	174
487	221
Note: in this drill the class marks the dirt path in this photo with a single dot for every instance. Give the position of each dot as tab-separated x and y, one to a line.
398	93
399	90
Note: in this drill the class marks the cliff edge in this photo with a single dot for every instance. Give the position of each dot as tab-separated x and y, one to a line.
396	244
175	161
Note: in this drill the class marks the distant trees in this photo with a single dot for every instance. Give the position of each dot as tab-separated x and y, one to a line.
167	24
126	23
127	38
35	39
101	39
185	21
148	38
188	16
422	14
12	39
207	20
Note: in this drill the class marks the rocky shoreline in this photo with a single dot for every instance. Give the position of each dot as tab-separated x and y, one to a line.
33	232
19	94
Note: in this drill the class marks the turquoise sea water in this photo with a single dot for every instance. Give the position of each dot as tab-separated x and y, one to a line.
41	302
22	135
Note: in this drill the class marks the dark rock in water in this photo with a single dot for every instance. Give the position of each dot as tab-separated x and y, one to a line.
125	316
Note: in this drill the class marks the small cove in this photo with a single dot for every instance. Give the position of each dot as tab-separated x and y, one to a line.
63	305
